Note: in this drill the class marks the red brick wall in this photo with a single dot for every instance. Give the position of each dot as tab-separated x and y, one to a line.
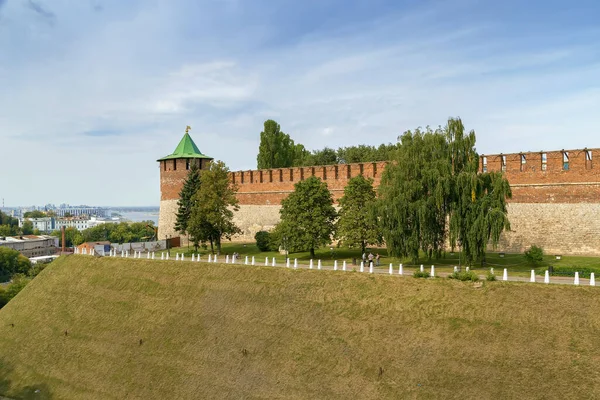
270	186
532	182
173	174
535	181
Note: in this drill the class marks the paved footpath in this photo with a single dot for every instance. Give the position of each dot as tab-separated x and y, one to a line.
381	270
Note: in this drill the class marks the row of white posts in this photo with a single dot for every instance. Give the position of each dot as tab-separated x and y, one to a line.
252	261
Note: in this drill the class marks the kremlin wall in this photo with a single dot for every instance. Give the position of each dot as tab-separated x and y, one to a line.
555	202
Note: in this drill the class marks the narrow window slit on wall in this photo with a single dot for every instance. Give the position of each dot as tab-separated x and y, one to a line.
544	161
588	159
242	177
174	165
361	168
565	160
260	176
164	165
291	175
187	164
280	175
335	171
301	174
270	175
349	172
484	163
523	162
312	171
324	173
251	176
374	170
503	163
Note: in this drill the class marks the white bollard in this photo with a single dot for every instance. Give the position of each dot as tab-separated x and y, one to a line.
546	277
391	269
246	262
193	257
215	259
295	263
401	270
273	262
455	268
344	266
162	256
153	255
532	278
233	258
252	260
122	253
467	269
148	256
227	259
505	275
492	271
576	282
198	258
127	254
176	256
210	258
371	267
266	261
335	265
319	264
432	271
167	257
287	262
310	265
422	269
592	279
182	257
362	266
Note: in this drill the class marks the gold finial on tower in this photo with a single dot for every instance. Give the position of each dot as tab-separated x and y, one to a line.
187	129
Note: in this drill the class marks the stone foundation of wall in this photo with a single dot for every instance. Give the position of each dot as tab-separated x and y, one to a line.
167	218
252	218
557	228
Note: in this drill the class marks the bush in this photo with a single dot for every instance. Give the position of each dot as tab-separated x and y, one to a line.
584	272
419	274
535	255
464	276
263	241
18	283
490	277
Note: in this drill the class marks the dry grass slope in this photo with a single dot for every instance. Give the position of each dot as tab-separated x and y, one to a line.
222	331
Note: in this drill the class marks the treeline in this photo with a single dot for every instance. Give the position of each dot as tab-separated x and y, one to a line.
17	269
432	193
278	150
9	226
123	232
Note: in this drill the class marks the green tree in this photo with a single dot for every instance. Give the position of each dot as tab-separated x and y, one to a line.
12	262
185	204
27	227
434	179
535	255
276	149
307	216
213	206
19	281
327	156
262	240
34	214
357	224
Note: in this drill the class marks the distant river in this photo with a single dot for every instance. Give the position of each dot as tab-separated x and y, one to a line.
138	216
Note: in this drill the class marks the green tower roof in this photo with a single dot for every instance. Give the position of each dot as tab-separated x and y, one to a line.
185	149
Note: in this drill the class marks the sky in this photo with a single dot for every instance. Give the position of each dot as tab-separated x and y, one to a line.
93	92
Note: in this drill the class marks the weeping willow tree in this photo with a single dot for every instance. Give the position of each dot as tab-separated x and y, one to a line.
433	192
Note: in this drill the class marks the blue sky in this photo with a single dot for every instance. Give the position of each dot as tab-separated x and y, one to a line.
92	92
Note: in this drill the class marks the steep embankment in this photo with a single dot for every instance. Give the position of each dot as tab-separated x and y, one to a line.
222	331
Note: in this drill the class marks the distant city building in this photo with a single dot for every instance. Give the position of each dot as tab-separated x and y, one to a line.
100	248
80	211
46	224
31	245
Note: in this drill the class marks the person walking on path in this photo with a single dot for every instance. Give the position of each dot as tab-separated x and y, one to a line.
377	259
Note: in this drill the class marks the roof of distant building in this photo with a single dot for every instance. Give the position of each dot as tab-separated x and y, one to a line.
185	149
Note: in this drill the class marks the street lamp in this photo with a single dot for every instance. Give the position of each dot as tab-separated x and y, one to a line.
168	238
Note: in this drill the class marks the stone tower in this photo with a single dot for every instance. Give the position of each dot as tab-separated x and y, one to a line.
174	169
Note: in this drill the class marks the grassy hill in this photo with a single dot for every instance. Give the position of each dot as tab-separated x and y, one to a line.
223	331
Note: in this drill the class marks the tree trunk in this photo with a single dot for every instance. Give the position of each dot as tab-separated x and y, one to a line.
312	252
212	247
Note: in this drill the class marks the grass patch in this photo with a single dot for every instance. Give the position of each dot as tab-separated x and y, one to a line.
231	331
464	276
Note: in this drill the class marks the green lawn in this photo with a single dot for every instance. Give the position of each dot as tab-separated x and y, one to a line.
112	328
516	264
